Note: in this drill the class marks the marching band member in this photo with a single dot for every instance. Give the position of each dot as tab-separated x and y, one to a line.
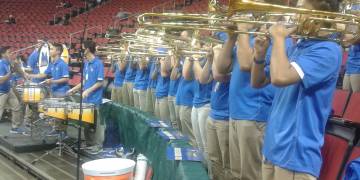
249	107
352	75
162	88
185	94
92	91
58	70
306	74
141	83
173	88
217	125
117	93
201	101
129	81
57	73
7	94
150	93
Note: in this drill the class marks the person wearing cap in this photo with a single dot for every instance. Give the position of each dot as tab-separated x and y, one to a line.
7	94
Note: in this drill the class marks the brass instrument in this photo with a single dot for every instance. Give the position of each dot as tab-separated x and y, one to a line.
309	23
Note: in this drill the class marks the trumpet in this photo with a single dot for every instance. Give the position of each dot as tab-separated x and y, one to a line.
314	25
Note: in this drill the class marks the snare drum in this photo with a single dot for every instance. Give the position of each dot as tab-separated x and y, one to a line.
73	112
48	101
56	110
31	93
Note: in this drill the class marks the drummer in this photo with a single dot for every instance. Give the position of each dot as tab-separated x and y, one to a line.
7	94
58	76
92	90
57	72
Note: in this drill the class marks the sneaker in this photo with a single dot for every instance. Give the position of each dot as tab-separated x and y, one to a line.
53	133
16	131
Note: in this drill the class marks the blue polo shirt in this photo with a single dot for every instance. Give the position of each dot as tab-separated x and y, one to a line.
118	76
141	79
162	86
248	103
173	87
4	69
220	101
202	94
33	63
353	61
57	70
185	93
295	130
152	83
94	72
130	72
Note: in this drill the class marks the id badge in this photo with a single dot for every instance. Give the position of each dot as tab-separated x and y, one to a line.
87	77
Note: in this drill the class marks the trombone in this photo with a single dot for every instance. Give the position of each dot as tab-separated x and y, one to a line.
314	26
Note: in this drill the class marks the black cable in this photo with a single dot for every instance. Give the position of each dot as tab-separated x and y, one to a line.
82	58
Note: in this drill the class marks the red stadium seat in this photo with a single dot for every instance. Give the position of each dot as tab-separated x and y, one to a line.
352	113
338	142
341	98
355	153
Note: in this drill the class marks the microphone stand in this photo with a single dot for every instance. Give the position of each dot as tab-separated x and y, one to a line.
81	95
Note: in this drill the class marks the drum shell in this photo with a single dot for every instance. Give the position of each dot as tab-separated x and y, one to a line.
48	102
88	114
56	110
31	93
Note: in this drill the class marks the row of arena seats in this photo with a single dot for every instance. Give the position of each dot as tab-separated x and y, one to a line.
32	19
341	143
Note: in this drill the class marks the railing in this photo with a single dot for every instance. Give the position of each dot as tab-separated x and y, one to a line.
71	35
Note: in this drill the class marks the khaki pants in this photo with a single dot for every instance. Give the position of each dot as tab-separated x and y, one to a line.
117	94
218	148
140	99
150	100
351	82
16	108
31	113
174	112
128	96
186	126
245	144
162	109
272	172
198	121
95	136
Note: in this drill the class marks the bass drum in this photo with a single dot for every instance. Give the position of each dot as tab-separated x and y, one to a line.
44	57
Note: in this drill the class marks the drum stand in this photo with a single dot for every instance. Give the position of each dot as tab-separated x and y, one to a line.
61	147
